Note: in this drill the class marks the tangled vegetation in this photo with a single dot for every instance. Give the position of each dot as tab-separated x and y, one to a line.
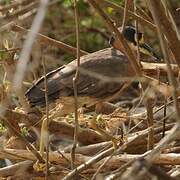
134	134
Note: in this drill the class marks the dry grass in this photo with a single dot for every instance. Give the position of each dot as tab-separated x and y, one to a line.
135	136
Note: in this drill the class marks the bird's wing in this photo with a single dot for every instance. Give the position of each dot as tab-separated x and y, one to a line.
107	62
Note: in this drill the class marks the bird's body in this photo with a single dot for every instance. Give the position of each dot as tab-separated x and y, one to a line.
95	82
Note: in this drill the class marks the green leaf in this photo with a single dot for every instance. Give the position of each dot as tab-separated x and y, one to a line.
67	3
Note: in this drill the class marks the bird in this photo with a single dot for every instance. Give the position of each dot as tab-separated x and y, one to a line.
97	81
129	34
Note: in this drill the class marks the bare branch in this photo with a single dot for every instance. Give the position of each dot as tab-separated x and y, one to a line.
24	57
125	17
47	40
116	7
166	28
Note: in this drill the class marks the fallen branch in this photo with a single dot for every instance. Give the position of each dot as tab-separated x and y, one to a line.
138	145
19	169
151	68
115	162
85	136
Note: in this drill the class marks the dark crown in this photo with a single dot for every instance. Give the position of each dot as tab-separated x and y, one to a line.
129	34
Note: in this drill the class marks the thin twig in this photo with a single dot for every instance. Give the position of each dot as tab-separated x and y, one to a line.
47	40
102	165
89	163
75	79
165	114
136	27
10	50
143	13
149	107
125	17
167	5
120	170
46	120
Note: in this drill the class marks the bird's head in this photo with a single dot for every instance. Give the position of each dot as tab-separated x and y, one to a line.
129	34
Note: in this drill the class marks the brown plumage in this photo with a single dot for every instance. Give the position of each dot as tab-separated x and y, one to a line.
107	62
